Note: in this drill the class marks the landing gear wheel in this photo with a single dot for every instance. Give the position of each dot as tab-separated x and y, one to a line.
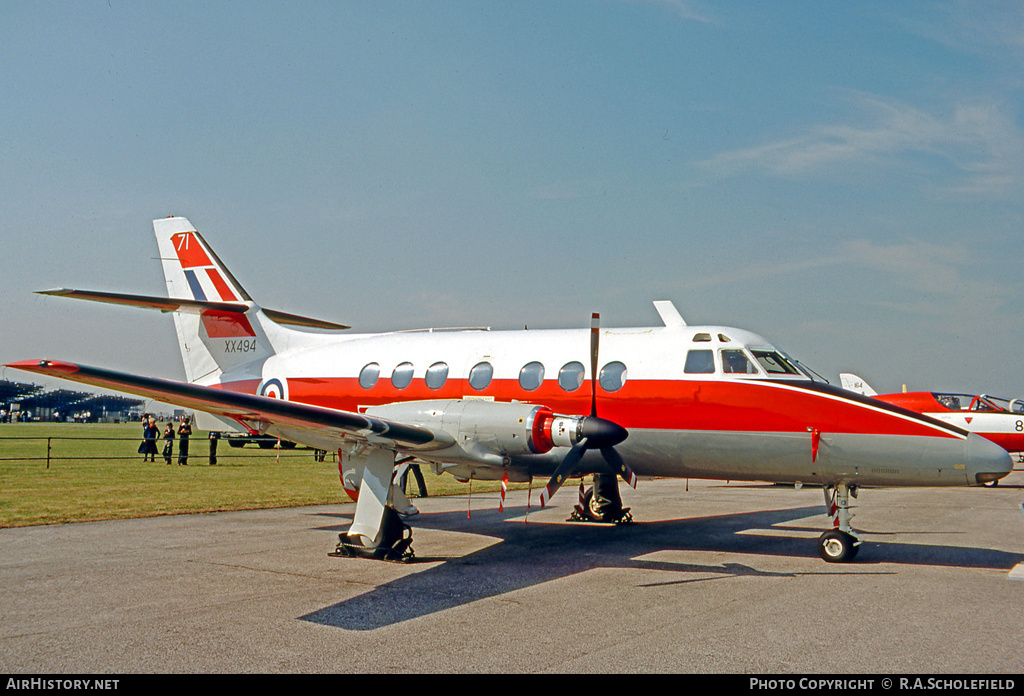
835	546
590	512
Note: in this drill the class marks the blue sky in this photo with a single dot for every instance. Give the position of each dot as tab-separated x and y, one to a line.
844	178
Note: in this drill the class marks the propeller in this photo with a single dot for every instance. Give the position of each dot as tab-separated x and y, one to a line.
594	433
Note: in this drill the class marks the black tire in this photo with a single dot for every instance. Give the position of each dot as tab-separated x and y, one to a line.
835	546
593	515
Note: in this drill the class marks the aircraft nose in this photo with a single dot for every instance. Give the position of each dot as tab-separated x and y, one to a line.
986	461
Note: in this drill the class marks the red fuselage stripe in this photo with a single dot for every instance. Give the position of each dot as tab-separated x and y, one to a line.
731	406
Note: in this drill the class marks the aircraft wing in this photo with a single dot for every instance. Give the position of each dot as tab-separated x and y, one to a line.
253	412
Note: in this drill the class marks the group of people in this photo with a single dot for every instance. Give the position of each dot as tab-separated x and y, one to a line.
151	432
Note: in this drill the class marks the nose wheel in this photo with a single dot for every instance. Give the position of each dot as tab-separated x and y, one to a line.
839	544
836	546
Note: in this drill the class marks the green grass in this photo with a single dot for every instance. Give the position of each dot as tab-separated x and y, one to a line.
95	473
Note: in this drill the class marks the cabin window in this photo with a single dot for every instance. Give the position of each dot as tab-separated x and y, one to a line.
702	338
480	375
368	375
736	362
437	375
612	376
531	376
570	377
700	362
402	376
773	363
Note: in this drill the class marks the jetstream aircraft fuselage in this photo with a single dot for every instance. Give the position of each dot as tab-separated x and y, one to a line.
672	400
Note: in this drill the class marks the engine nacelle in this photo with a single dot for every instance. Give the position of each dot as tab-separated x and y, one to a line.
493	428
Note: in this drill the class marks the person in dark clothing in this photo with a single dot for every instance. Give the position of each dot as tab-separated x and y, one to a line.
168	443
150	433
214	439
420	483
184	432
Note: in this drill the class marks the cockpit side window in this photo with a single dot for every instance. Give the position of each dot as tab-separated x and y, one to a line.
736	362
700	362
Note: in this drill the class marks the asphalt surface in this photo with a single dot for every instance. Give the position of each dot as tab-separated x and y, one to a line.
712	577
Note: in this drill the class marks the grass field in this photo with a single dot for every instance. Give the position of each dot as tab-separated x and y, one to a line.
95	473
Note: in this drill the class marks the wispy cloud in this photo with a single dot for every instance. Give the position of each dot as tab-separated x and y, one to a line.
974	150
936	278
961	26
684	9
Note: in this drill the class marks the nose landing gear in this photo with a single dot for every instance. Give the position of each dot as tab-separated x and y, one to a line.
840	544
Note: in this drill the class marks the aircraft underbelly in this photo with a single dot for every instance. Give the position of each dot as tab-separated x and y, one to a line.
866	459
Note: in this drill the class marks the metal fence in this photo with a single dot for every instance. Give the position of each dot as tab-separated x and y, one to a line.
60	448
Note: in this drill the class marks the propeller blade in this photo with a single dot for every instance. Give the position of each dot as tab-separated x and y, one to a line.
595	339
564	470
620	466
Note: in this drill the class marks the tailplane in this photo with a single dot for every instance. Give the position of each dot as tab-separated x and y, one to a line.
220	329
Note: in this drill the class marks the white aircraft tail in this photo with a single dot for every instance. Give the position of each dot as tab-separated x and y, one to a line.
854	383
220	329
226	331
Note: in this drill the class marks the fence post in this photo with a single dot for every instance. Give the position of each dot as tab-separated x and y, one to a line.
47	453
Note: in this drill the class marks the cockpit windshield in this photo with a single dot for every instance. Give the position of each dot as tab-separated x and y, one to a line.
803	369
774	363
982	403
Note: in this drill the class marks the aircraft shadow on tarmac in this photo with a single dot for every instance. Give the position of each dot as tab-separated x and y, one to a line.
533	553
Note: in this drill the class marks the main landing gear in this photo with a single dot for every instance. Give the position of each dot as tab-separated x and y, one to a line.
601	503
840	544
393	544
377	529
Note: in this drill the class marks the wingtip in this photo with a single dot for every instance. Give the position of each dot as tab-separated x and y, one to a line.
44	367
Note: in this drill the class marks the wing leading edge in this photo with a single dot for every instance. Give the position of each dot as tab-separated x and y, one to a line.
253	412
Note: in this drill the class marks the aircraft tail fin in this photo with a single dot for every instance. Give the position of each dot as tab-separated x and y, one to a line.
219	326
854	383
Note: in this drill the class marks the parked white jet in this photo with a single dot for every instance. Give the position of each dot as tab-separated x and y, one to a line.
675	400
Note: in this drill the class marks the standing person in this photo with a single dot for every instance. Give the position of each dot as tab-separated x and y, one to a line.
418	475
150	434
168	442
142	445
214	438
184	431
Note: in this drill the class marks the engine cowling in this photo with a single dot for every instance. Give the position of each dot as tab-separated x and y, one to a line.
503	429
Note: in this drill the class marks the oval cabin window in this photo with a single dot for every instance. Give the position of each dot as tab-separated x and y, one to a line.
480	375
437	375
368	375
402	376
531	376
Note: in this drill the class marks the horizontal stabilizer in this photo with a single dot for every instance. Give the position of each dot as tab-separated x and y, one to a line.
187	306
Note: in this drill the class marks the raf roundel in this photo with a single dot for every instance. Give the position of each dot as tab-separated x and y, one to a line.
274	389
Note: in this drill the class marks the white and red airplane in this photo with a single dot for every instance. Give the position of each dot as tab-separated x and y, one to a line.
994	418
674	400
